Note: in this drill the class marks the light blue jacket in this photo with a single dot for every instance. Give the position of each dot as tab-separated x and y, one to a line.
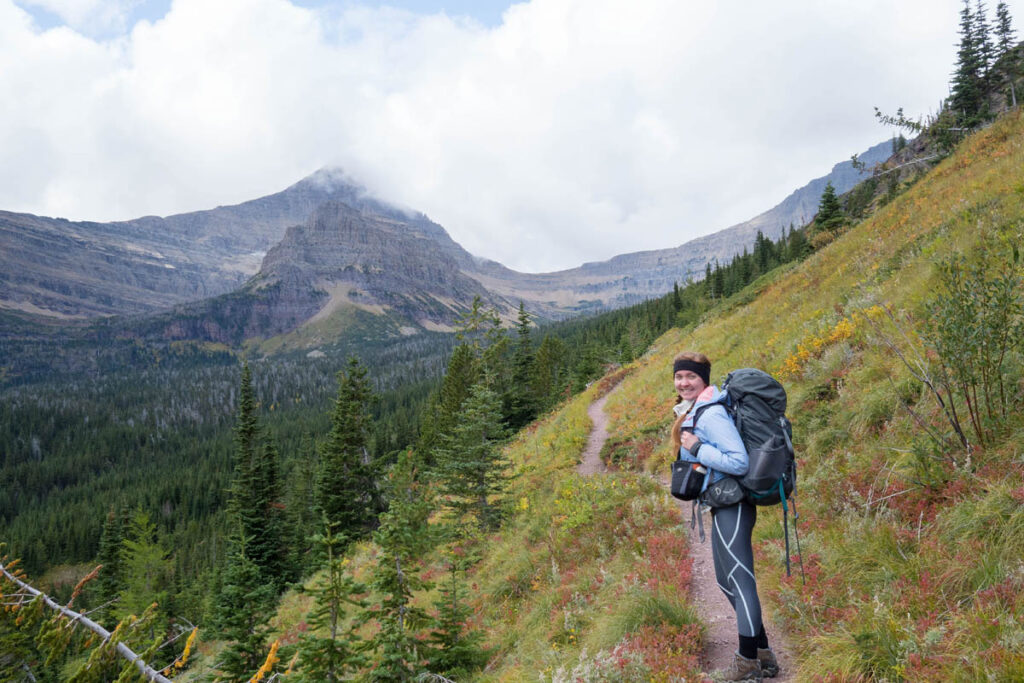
722	449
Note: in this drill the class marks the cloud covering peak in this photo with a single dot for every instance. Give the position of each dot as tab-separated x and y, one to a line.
573	131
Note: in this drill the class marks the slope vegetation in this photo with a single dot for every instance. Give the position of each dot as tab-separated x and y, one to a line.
912	554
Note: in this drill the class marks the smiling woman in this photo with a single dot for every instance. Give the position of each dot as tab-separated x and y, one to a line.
703	432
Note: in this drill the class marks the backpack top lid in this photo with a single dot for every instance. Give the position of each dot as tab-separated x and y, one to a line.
740	383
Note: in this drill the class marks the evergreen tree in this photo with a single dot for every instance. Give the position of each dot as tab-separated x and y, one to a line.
300	501
110	581
967	88
718	282
347	487
457	650
830	213
549	371
472	470
677	302
983	38
798	246
404	536
1005	38
255	492
145	567
589	366
267	547
523	405
441	413
242	611
330	651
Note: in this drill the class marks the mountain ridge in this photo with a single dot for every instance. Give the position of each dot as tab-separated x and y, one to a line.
154	264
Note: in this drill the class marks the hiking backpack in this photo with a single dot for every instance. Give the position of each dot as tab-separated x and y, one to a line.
756	402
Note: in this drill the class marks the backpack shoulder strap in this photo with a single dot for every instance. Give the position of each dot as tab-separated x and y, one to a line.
720	401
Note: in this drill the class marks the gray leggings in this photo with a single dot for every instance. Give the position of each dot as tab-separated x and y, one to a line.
734	563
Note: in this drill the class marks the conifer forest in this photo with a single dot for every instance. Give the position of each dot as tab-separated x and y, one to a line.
408	509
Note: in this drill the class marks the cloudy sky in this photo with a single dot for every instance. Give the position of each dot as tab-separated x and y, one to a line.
541	134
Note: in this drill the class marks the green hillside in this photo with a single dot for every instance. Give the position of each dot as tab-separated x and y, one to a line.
912	546
912	536
912	553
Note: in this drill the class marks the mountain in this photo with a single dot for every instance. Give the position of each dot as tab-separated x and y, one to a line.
343	261
79	269
629	278
152	264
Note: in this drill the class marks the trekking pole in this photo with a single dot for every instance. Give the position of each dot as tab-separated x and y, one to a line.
785	523
796	531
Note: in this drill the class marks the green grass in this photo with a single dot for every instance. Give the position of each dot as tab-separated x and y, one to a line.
913	567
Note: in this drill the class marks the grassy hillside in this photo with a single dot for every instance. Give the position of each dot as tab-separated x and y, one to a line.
912	555
912	558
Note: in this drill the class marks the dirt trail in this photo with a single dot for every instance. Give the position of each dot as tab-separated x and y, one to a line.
715	611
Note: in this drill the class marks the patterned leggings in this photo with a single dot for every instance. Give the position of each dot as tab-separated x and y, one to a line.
734	563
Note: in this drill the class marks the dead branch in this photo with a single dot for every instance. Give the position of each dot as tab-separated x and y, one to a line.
148	672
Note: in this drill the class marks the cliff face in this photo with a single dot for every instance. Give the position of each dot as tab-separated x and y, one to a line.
398	263
342	259
80	269
325	245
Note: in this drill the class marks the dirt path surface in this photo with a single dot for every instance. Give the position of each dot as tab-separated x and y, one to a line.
591	462
718	614
715	611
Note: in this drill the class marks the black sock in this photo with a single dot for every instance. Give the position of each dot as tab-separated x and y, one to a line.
762	639
748	647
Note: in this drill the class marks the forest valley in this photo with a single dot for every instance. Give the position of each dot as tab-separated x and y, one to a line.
412	514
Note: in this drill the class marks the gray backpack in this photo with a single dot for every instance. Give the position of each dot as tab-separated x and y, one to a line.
756	402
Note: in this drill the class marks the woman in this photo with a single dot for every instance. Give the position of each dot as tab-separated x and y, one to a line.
714	442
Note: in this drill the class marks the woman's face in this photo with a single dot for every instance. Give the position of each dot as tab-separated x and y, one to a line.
688	384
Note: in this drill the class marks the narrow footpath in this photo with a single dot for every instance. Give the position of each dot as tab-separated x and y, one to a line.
715	611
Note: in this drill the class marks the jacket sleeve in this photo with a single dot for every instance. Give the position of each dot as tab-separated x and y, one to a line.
722	448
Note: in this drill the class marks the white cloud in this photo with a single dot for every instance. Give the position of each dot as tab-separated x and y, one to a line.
92	17
576	130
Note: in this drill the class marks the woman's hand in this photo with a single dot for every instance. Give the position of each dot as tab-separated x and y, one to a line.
689	440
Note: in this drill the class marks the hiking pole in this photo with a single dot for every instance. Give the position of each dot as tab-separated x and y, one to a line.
799	555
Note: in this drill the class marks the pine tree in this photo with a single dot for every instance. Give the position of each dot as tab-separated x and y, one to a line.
347	486
968	89
145	567
242	611
255	502
110	581
983	38
549	371
1005	37
718	282
830	213
472	470
523	404
267	546
330	651
300	502
798	246
404	536
457	649
440	414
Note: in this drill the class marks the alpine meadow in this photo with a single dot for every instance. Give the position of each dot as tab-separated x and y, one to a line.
368	460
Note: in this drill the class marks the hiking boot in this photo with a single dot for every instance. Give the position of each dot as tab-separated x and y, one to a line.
742	669
769	665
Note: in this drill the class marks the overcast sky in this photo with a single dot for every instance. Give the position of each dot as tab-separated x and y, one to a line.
540	134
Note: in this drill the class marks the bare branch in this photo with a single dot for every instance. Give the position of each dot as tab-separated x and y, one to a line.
148	672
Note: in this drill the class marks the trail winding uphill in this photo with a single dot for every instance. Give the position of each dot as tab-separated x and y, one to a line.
715	611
